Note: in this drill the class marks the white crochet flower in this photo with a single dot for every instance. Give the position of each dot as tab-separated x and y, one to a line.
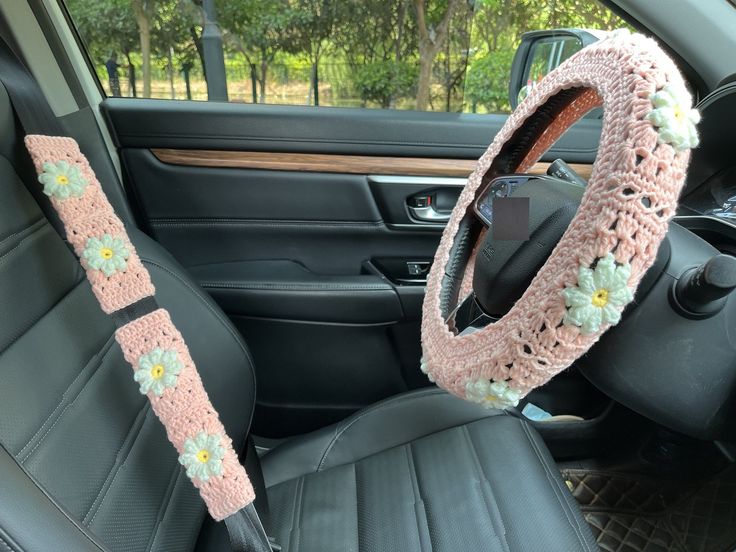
107	254
674	117
62	180
492	394
599	296
158	371
424	367
202	456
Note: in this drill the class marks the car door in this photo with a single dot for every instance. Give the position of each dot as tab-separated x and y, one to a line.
312	227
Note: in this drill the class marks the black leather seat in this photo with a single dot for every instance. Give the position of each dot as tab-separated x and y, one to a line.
85	465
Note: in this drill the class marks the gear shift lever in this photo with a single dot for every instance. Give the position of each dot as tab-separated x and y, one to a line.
702	291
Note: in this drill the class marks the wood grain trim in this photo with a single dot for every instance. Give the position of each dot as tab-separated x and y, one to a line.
352	164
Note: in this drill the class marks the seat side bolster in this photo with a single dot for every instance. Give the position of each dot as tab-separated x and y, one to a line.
20	517
370	431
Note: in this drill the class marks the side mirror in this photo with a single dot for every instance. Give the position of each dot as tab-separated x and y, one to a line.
539	53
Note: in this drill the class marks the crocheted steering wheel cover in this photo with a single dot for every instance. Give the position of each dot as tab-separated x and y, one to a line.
632	194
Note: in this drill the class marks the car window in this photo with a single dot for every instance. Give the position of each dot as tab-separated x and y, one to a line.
428	55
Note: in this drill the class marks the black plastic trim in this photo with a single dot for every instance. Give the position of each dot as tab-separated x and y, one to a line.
144	123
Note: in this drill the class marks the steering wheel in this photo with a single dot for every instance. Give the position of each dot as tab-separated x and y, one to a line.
535	306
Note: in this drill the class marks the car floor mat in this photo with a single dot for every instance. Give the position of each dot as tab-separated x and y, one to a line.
635	513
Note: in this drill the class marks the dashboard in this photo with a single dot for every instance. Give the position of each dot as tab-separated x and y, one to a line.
711	184
684	377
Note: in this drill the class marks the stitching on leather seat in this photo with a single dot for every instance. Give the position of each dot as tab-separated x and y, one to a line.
165	505
482	478
101	354
30	229
418	500
53	502
555	485
339	432
43	315
32	235
137	427
8	547
296	515
379	406
63	412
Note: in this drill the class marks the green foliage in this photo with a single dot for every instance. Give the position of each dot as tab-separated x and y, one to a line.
367	51
375	30
312	25
258	28
105	26
384	81
487	83
172	30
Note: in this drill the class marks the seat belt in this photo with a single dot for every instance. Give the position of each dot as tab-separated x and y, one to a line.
149	340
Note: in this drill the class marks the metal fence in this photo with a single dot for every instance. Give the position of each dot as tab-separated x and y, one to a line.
288	84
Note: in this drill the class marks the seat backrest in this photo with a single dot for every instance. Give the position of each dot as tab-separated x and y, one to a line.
80	442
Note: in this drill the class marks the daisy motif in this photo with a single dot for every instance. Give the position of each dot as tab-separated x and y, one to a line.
158	371
424	367
599	297
107	254
674	117
62	180
202	456
492	394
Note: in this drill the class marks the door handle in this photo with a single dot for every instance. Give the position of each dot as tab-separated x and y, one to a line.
428	214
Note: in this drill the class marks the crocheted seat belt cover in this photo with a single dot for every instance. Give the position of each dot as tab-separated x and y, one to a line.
153	346
593	272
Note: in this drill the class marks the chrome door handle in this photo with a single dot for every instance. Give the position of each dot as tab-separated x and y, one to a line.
428	214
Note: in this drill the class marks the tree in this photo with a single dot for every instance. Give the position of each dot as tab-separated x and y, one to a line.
487	83
456	55
312	25
106	27
374	30
377	39
497	29
258	30
145	11
432	39
382	81
172	40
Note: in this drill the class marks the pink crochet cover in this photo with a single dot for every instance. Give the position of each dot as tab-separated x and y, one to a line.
170	378
632	194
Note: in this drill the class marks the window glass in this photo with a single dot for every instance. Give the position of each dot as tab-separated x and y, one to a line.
435	55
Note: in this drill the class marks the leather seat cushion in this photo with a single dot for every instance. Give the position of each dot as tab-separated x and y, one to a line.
420	471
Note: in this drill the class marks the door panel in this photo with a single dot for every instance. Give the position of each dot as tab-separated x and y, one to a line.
140	123
298	222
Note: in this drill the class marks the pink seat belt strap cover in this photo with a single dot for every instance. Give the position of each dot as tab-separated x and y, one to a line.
162	364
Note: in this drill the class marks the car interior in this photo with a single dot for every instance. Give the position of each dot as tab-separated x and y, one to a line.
291	246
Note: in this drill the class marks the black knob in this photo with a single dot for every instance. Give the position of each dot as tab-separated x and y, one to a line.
559	169
703	290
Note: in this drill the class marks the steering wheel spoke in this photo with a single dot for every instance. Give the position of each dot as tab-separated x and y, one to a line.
468	316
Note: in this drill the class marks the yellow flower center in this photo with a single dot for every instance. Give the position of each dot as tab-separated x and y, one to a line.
62	179
157	371
203	456
106	253
679	113
600	298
